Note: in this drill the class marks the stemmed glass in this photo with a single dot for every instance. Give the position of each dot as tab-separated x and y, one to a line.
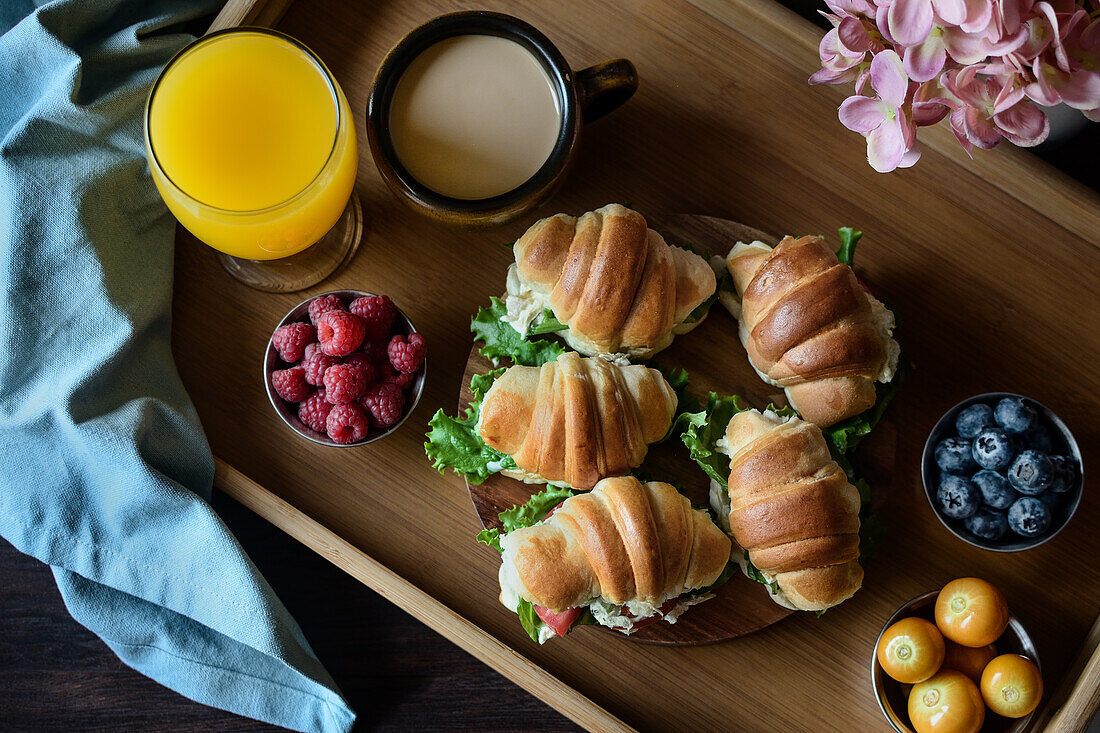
252	146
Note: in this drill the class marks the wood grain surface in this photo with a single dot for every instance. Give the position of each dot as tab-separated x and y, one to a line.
992	266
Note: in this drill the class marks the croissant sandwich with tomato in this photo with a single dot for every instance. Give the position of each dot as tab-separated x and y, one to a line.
623	555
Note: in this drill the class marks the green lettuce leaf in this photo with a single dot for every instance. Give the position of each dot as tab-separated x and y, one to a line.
755	574
849	237
844	436
454	442
702	430
546	323
524	515
530	620
679	380
502	340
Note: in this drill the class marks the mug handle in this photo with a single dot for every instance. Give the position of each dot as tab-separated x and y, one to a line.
605	87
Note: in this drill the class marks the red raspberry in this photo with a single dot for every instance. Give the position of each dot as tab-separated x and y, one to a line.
314	410
340	332
377	311
375	349
384	401
346	423
291	340
324	304
344	383
401	379
290	384
407	356
371	372
315	362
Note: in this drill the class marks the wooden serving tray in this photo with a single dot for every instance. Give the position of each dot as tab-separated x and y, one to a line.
993	264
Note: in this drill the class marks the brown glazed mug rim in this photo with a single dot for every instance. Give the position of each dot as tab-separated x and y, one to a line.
496	208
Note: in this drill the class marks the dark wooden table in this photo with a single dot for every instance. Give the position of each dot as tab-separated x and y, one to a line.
398	674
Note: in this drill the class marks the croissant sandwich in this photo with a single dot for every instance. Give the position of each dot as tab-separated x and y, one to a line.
810	327
573	421
624	555
614	284
791	509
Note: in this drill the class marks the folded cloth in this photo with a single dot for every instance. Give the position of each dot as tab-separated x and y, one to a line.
104	469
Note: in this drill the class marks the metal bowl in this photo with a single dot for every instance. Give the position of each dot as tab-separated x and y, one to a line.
289	411
1011	542
892	696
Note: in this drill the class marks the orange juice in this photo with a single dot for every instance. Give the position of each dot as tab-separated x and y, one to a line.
251	143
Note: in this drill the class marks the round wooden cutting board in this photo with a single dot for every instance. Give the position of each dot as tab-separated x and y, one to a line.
715	360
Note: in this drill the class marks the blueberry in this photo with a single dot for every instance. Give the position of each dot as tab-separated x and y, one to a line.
958	497
953	456
996	493
1065	474
987	524
993	449
1050	500
1014	416
974	420
1031	472
1028	517
1040	439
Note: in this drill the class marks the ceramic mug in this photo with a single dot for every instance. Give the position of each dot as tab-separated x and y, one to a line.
582	96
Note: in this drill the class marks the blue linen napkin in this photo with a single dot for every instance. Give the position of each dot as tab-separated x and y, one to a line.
104	468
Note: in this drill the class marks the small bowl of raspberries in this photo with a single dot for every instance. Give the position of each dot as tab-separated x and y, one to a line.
345	368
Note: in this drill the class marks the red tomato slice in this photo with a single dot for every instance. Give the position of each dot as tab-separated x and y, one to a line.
559	623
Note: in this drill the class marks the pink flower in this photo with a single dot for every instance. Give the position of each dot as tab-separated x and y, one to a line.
910	21
842	51
979	121
986	63
891	138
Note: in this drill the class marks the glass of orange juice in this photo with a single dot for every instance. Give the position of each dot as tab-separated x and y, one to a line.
252	146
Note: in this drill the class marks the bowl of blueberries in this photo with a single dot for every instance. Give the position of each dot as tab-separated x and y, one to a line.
1002	472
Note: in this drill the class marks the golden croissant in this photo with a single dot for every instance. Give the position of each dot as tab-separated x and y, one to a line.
576	420
792	508
810	327
622	544
613	281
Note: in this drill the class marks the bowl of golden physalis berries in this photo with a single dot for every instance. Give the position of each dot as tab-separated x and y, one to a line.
956	661
345	368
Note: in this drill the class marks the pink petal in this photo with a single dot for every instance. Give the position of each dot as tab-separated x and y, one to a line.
980	129
1042	94
1009	95
831	76
979	13
909	21
952	12
886	146
1045	88
912	155
861	114
853	35
1082	89
888	77
929	113
863	78
958	126
1092	114
925	61
1055	35
1024	125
